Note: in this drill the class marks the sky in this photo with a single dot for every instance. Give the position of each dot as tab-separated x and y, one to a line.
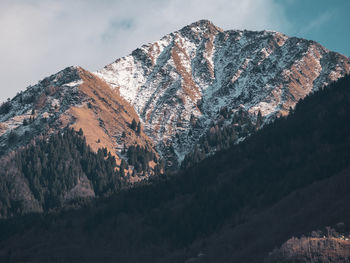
41	37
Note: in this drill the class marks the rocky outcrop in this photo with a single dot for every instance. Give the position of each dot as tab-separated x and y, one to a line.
194	72
177	88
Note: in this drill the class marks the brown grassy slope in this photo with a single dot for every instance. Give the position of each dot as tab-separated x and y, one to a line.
104	117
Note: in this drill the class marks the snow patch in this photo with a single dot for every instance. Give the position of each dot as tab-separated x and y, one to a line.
235	67
74	83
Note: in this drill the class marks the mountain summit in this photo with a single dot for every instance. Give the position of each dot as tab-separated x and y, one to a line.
196	86
78	135
189	75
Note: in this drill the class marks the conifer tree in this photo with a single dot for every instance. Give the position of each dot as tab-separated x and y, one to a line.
133	125
138	129
258	120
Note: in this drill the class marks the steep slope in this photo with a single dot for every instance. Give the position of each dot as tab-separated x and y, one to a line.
288	179
73	97
178	84
195	85
54	171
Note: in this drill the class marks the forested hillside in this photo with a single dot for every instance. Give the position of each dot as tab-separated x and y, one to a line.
289	178
54	170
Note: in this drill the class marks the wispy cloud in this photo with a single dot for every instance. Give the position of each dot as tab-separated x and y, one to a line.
318	22
40	37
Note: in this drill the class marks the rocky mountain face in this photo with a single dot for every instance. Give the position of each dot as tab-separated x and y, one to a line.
73	97
177	88
290	179
44	165
192	92
178	84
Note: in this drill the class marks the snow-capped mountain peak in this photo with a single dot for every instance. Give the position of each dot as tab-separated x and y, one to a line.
194	72
192	84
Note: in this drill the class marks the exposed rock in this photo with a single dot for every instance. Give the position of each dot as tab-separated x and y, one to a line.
176	87
263	71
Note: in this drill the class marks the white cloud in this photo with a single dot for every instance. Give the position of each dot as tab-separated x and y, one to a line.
39	37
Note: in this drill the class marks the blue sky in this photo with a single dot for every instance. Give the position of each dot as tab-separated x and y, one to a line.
325	21
41	37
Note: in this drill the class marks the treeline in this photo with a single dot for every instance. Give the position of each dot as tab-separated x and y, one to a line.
143	161
309	145
223	134
50	168
140	157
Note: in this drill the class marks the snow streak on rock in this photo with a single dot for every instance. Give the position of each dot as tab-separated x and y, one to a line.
193	72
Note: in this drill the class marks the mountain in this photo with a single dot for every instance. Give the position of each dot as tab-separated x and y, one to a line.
178	88
266	199
76	98
53	171
38	177
178	85
169	103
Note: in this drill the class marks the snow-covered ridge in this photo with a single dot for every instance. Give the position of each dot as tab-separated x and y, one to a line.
264	71
179	85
